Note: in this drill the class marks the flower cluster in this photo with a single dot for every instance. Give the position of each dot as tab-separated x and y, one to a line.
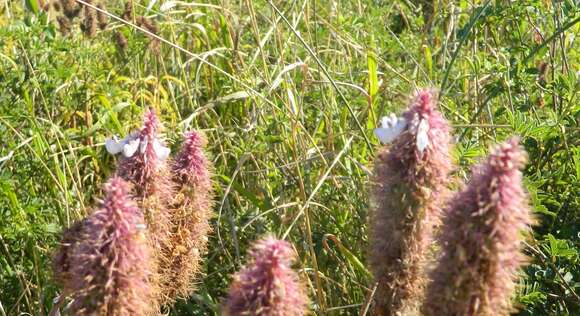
150	233
481	234
143	247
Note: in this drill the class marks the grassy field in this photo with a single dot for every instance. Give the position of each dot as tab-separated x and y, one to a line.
288	93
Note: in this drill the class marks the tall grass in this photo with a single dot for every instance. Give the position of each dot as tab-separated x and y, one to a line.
288	93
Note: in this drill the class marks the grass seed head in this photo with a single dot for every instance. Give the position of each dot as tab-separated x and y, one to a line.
102	18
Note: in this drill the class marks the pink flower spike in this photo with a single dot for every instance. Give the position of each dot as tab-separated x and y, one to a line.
111	265
409	184
482	239
191	214
191	165
267	286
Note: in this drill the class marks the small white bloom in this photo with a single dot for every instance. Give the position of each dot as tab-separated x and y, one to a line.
422	137
161	151
391	127
127	145
143	145
113	145
130	147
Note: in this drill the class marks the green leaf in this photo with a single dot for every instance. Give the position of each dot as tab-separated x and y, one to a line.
32	5
560	248
373	84
373	76
428	59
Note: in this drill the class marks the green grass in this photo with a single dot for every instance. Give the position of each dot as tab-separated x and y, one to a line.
292	146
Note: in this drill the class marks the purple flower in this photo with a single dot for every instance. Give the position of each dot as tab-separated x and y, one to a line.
267	286
410	182
110	266
481	239
192	210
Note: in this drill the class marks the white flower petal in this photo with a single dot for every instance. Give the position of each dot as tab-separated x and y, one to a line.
385	135
422	137
161	151
113	146
385	122
394	119
400	125
391	128
130	148
143	145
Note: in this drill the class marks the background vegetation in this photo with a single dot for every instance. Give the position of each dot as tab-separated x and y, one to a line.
288	93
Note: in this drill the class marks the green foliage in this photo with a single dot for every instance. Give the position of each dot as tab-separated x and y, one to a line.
289	144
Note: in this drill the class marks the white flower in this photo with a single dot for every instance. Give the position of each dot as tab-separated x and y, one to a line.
129	145
391	127
161	151
420	127
422	137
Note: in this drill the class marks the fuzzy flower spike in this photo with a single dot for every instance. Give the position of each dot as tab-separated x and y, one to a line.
144	165
110	267
409	183
267	286
192	211
481	240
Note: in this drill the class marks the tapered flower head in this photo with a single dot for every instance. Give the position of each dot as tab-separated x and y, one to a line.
191	165
267	285
143	163
481	239
409	183
111	265
144	153
191	213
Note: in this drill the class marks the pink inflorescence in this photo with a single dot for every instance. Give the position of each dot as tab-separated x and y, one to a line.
149	173
267	286
191	164
191	213
409	184
481	239
110	265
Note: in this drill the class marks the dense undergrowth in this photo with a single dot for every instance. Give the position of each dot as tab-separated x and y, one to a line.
288	93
